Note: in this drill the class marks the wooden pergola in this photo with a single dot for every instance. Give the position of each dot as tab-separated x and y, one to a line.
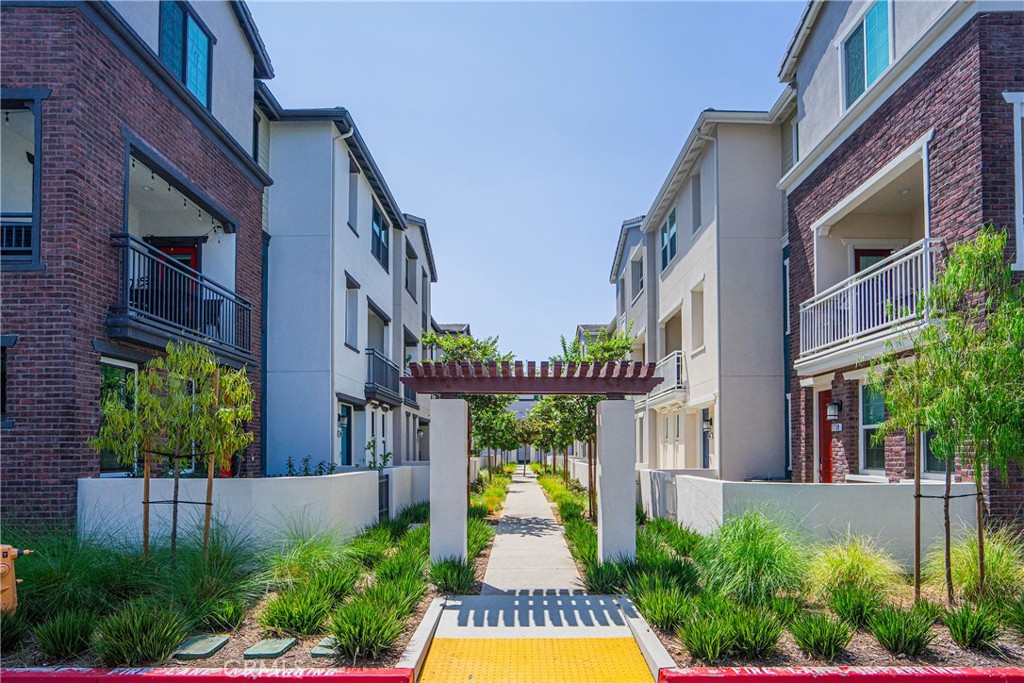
612	380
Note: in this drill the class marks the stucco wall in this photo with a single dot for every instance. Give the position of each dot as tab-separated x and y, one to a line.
410	484
266	508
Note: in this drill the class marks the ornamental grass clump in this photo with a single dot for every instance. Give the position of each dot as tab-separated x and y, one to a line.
661	603
402	564
453	575
854	604
751	559
296	612
901	631
1013	616
304	553
606	578
13	629
582	537
852	561
67	635
400	594
821	636
973	627
478	534
142	631
415	514
708	637
368	550
787	608
1004	566
682	540
756	633
364	628
335	581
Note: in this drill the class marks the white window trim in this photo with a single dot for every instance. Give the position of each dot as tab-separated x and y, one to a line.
1017	100
785	304
127	365
787	460
841	42
862	447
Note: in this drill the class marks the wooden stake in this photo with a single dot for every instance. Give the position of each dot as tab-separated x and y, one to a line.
145	501
917	516
981	537
950	598
210	462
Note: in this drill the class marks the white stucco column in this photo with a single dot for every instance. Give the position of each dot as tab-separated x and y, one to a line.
616	481
449	420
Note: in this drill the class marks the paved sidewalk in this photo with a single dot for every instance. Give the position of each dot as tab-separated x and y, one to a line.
529	555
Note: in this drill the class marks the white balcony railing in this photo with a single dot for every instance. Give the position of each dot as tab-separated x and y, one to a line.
870	303
672	369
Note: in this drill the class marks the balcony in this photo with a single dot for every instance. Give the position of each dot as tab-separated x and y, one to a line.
16	243
410	396
870	306
672	392
161	299
382	379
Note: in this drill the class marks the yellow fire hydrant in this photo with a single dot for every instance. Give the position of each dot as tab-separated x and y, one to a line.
8	581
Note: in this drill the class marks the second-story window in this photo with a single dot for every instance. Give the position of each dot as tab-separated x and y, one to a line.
411	271
668	240
380	242
185	48
637	275
866	51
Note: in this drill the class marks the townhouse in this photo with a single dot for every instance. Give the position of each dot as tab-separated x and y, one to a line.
131	206
698	279
349	298
908	129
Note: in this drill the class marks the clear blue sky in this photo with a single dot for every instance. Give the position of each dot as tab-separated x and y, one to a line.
525	132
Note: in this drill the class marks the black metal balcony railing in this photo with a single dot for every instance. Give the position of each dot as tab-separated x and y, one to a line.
171	297
381	372
410	395
16	236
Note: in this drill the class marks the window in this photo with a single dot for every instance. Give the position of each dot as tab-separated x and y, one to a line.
411	271
621	287
255	137
353	195
872	414
1017	100
380	240
697	318
637	274
932	462
678	419
352	316
866	51
665	431
668	240
185	48
20	148
695	204
117	379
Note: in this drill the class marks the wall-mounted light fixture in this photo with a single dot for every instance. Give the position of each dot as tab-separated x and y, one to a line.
832	410
707	425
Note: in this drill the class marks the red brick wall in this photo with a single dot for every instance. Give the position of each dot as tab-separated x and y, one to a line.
958	92
53	371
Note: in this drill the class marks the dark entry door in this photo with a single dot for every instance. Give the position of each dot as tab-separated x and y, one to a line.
824	438
865	258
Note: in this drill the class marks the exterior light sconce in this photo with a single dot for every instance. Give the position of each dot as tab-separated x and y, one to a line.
832	410
707	426
419	435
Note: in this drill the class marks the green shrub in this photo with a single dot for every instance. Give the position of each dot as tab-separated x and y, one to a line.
661	603
854	604
142	631
67	635
13	629
453	575
757	632
478	534
641	515
787	608
477	511
682	540
296	612
604	579
821	636
402	564
400	594
362	628
902	632
1004	566
570	509
582	538
973	627
751	559
852	561
1013	616
708	637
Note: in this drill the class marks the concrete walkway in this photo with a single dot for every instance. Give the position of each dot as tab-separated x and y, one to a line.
529	555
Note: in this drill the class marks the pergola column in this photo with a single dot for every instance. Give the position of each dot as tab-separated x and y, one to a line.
449	418
616	481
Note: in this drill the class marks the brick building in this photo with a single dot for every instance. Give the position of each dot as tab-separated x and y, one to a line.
131	216
909	137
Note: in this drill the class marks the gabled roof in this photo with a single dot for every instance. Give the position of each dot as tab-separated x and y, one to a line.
787	70
627	225
347	127
422	225
262	68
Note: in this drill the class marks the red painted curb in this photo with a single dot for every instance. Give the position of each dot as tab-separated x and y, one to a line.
184	674
801	674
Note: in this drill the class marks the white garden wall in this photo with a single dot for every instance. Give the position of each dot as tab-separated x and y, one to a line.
884	512
266	508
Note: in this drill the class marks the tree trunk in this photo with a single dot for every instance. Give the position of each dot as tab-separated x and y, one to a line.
145	502
945	519
565	465
981	538
490	466
917	515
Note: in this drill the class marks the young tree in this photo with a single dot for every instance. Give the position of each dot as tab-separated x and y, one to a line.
963	381
183	406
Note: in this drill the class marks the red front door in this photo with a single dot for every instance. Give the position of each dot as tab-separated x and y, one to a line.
824	438
186	256
865	258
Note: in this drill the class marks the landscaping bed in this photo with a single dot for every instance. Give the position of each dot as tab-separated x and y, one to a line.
86	603
754	594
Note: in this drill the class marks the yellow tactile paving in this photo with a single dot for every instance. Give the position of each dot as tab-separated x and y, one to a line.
535	660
